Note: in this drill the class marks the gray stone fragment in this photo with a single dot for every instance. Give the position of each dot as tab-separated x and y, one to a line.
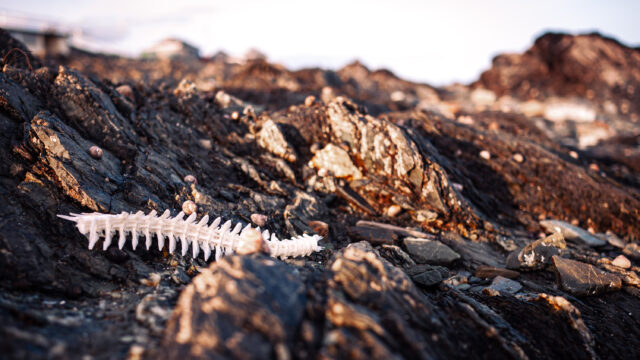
430	251
582	279
428	275
504	285
572	233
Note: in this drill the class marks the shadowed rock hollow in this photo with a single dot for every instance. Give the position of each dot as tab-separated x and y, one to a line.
496	220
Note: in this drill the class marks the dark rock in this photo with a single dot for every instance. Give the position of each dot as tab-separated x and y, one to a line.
504	285
368	298
374	235
257	302
560	64
395	255
538	254
582	279
427	275
430	251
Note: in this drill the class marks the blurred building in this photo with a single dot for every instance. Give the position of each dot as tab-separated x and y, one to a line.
170	49
42	43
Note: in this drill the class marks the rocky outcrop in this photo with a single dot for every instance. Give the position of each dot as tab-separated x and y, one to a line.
412	204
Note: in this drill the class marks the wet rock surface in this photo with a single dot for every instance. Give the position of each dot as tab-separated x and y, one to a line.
414	188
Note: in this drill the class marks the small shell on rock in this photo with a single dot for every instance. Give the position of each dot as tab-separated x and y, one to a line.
191	179
259	219
126	91
309	100
189	207
393	210
485	154
315	147
95	152
517	157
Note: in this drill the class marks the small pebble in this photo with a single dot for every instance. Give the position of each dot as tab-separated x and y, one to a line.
573	154
152	281
621	261
517	157
189	207
463	287
457	186
191	179
465	119
127	91
393	210
259	219
594	167
207	144
235	115
319	227
136	352
309	100
315	147
485	154
95	152
323	172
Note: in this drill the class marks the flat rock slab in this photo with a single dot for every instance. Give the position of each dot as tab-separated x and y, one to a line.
504	285
427	251
572	233
427	275
257	302
582	279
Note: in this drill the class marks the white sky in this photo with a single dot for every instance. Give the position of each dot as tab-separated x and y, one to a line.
434	42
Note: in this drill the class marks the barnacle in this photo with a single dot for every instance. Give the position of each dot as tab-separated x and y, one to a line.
199	235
